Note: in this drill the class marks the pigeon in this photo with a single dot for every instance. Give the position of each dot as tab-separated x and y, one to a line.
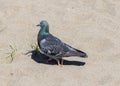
53	47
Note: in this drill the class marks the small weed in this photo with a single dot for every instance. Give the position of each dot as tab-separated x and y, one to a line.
35	49
11	55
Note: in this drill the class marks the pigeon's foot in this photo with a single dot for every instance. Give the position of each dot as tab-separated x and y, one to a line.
58	62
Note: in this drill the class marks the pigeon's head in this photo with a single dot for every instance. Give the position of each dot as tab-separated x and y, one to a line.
43	23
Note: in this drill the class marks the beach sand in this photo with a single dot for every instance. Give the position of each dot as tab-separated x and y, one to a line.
92	26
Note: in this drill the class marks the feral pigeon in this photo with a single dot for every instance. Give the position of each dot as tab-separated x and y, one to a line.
53	47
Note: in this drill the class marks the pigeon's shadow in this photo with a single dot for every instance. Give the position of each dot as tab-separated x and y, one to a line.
41	58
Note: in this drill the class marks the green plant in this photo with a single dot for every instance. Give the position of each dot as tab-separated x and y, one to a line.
35	48
12	53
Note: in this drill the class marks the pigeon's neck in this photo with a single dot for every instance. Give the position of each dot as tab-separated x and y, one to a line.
44	30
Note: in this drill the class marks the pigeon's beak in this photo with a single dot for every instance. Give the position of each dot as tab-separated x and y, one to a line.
38	25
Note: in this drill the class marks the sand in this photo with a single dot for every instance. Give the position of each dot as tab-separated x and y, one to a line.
92	26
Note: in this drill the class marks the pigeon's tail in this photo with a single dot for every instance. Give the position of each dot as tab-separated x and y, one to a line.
70	51
74	52
79	53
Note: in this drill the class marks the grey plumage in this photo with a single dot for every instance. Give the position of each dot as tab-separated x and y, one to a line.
54	47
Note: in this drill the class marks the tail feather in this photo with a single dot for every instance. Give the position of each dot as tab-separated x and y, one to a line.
80	53
74	52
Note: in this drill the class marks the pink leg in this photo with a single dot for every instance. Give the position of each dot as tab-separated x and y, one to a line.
58	62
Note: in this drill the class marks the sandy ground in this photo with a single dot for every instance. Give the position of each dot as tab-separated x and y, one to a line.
89	25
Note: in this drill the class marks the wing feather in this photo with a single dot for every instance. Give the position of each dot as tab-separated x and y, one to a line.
51	46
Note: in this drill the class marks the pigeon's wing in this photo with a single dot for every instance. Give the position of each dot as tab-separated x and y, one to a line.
51	46
54	47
